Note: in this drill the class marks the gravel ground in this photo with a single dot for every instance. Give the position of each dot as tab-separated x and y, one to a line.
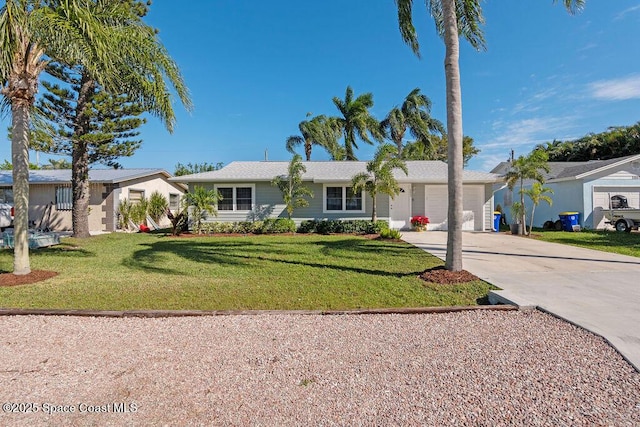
469	368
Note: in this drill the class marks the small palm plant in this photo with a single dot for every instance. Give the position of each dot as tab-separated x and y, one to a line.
379	176
139	211
530	167
124	214
291	186
537	193
158	206
202	202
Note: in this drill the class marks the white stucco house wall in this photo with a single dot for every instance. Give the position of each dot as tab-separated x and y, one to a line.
50	198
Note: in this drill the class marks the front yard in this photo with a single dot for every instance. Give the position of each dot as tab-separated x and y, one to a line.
608	241
138	271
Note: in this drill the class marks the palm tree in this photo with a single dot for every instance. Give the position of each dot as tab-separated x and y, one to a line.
413	115
291	186
527	168
538	193
202	202
453	18
379	176
31	31
107	39
356	119
320	131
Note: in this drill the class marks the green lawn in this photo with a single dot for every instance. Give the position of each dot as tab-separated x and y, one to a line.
608	241
141	271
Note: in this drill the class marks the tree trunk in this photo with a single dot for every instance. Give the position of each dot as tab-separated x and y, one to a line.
533	210
80	160
523	219
307	150
349	138
454	136
374	210
20	117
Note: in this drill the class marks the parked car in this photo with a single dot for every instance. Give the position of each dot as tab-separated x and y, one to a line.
6	216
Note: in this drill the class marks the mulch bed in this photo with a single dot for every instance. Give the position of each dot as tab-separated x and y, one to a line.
442	276
10	279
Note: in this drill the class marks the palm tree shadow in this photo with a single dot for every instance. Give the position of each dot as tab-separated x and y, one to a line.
251	254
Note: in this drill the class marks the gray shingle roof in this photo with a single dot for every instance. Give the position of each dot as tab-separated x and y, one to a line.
63	176
419	171
568	170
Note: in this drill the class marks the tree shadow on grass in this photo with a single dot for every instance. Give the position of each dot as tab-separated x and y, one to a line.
250	253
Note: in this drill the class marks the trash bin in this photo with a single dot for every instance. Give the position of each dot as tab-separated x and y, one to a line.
496	220
570	221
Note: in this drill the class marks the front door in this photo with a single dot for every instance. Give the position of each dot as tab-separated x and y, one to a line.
400	209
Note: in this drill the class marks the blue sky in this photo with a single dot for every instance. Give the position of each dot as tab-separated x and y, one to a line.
256	68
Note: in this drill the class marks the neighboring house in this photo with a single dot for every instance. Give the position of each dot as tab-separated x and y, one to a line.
583	187
248	194
50	197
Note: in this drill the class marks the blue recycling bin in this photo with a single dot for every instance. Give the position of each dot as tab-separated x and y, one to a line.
496	220
570	221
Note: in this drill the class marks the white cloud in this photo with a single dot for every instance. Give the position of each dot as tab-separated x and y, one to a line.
588	46
529	131
617	89
622	14
490	161
519	135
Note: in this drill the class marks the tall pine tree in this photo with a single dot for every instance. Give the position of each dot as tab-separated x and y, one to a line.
94	125
89	124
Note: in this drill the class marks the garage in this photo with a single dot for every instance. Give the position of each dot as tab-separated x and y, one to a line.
437	202
601	197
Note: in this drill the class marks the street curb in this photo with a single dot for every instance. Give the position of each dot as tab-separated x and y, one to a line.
193	313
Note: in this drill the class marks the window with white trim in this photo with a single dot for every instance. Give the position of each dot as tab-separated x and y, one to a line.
236	197
174	201
6	195
341	198
135	196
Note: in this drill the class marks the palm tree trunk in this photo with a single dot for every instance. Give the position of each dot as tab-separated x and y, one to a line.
523	219
80	161
307	150
374	208
349	138
454	135
20	158
533	210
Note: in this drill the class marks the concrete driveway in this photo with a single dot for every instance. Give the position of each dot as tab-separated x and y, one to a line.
598	291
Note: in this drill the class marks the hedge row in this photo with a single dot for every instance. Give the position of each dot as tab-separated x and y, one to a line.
357	226
268	226
284	225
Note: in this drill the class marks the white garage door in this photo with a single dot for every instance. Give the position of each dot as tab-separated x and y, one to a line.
601	201
436	203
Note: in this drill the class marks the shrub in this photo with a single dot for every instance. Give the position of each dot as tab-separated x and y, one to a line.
124	214
178	220
139	211
158	205
358	226
390	234
308	226
283	225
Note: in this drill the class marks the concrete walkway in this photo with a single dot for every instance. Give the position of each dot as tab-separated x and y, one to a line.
598	291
